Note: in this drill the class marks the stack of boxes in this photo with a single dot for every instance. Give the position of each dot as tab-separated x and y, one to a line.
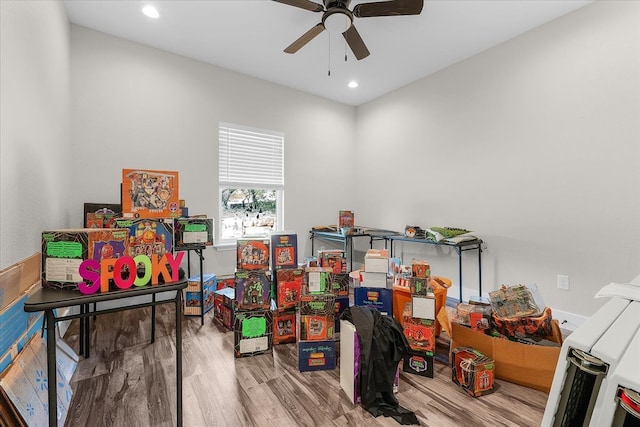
316	321
288	285
253	324
373	291
337	279
418	322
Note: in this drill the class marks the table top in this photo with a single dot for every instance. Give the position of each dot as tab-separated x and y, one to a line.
358	231
47	298
474	242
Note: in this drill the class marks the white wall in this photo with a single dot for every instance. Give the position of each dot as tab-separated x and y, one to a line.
138	107
35	157
534	145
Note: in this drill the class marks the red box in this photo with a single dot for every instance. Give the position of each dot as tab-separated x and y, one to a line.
226	282
420	268
284	327
472	370
150	194
252	254
333	259
316	327
288	287
420	334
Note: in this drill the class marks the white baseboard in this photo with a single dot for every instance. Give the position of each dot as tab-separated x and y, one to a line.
568	320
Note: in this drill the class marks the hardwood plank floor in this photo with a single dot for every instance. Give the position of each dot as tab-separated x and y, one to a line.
128	381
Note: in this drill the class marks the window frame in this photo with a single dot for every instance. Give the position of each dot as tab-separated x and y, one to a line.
274	181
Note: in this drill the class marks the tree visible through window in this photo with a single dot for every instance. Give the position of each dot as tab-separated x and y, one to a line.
251	182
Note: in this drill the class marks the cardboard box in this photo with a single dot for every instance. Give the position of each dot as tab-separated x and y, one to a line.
227	281
420	286
150	194
333	259
17	326
528	365
284	250
418	362
64	250
420	333
101	215
19	277
339	284
228	317
374	280
192	294
253	333
284	327
253	290
317	280
148	236
379	298
223	305
252	254
376	261
346	220
420	268
193	233
350	361
472	370
423	307
317	317
288	287
316	356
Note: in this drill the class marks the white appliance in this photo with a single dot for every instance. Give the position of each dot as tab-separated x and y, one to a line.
595	360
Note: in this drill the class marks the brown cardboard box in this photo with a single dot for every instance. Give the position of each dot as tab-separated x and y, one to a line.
528	365
17	278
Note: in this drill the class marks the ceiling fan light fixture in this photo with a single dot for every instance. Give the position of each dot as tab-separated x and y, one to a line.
337	21
151	11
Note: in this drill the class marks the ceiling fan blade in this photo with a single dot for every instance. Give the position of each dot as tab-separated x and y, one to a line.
303	4
305	38
388	8
356	43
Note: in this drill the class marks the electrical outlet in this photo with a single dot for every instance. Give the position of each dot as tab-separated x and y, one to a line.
563	282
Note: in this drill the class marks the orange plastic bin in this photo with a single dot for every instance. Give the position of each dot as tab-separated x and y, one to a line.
402	295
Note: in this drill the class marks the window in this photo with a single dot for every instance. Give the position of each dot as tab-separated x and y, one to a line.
250	182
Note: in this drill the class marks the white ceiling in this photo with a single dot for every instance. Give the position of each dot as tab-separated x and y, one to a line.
248	36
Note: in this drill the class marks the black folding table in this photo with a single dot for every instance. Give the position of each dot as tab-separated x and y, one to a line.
49	300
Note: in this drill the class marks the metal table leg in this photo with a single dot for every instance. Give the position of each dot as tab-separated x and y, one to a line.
52	379
179	357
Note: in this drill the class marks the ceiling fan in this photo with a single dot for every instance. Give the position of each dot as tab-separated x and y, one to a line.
336	17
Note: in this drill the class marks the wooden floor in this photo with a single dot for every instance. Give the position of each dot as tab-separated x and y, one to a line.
127	381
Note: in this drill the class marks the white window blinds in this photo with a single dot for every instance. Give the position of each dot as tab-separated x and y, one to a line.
250	157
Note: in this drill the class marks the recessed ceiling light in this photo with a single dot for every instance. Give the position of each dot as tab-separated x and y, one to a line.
353	84
151	11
